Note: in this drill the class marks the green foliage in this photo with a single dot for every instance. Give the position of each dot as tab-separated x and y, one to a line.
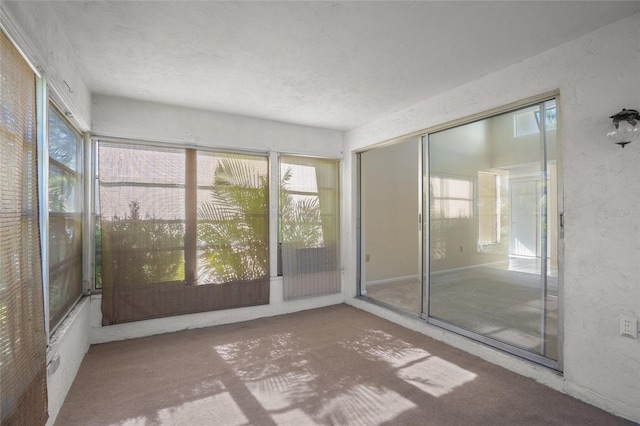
61	189
233	227
142	250
300	220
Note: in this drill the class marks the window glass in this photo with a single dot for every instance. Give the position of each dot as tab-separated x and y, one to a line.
180	231
493	258
233	227
65	217
309	226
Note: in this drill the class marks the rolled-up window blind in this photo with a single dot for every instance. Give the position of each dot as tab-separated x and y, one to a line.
182	231
309	226
23	386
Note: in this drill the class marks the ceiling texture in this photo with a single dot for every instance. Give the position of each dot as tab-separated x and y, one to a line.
335	65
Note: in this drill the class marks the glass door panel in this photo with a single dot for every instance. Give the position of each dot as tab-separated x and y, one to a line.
492	200
389	219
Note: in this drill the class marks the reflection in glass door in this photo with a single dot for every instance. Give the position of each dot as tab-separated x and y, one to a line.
390	238
492	200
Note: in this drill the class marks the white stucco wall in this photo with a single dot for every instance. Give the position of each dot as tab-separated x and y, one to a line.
44	42
68	344
597	76
120	117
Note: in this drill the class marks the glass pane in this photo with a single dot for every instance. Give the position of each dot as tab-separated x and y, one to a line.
141	215
309	226
65	217
65	240
65	287
63	190
493	264
389	223
232	216
63	142
181	231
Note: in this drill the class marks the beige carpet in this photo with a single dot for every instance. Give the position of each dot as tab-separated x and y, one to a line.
329	366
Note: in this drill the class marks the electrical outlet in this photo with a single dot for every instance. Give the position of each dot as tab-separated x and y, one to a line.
629	327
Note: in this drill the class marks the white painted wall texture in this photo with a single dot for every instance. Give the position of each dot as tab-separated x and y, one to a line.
128	118
597	75
44	42
70	344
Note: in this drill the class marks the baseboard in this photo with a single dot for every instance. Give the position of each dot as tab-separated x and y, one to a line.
392	280
447	271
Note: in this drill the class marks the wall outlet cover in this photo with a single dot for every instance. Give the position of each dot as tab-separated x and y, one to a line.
629	327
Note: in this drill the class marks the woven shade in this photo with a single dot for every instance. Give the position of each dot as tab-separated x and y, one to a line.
22	337
309	226
182	231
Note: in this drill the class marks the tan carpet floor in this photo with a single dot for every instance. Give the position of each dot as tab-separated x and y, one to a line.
503	305
329	366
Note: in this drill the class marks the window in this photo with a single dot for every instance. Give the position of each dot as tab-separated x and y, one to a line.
452	198
65	217
527	121
181	231
309	226
488	208
451	204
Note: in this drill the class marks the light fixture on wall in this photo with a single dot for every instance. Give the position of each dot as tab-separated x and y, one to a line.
625	127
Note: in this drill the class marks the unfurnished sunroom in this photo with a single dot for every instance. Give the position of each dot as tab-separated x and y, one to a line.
443	166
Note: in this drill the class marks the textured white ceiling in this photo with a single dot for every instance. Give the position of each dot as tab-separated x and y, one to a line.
327	64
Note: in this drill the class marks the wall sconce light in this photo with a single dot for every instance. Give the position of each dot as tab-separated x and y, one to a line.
624	127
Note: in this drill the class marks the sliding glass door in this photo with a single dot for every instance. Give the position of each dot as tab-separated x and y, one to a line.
492	200
390	234
485	264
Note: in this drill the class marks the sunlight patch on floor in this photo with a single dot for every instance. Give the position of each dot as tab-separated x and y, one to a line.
363	405
381	346
137	421
284	382
436	376
416	366
218	409
278	392
215	410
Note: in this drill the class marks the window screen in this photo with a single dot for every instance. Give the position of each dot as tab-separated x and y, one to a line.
309	226
181	231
